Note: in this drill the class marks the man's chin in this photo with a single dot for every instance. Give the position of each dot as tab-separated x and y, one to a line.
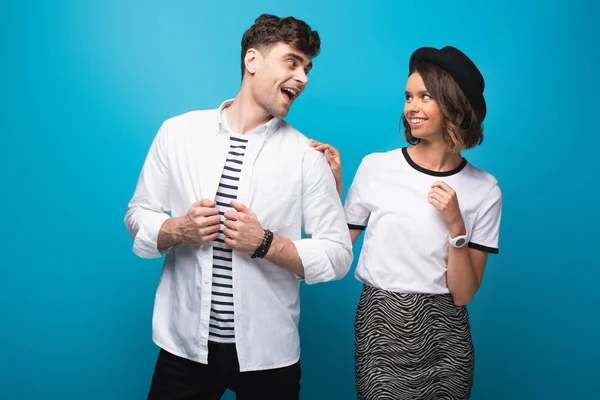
281	113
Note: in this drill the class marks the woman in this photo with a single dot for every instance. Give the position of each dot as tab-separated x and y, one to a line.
431	218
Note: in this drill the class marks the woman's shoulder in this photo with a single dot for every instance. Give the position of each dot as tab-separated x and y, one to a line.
482	179
382	157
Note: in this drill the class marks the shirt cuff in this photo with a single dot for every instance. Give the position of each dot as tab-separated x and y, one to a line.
317	266
145	244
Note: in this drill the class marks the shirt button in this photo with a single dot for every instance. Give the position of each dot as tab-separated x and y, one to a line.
206	281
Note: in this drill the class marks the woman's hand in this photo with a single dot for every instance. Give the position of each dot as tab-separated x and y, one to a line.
335	162
443	197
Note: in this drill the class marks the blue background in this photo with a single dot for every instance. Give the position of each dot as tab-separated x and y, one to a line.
86	85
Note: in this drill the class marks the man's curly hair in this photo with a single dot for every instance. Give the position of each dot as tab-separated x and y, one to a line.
269	30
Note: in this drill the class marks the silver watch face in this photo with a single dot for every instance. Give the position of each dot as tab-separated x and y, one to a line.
460	242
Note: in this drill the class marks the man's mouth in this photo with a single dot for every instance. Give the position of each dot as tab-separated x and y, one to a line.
289	93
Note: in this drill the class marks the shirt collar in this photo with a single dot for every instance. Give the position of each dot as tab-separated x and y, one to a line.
269	128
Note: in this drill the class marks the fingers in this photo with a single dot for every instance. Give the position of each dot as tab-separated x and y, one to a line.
241	209
209	238
331	159
331	154
434	200
322	147
441	194
232	215
230	224
237	216
206	203
204	216
443	186
209	230
208	221
436	197
202	236
203	208
230	233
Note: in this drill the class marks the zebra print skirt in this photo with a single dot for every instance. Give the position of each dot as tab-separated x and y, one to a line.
412	346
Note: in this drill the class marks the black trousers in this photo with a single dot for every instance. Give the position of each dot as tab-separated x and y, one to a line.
177	378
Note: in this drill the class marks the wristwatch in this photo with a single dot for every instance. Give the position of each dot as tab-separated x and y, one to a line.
458	241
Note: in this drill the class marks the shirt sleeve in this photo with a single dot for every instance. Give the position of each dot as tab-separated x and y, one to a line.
357	213
149	208
487	225
326	250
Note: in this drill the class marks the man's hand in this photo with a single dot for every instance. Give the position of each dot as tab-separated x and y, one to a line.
201	224
242	229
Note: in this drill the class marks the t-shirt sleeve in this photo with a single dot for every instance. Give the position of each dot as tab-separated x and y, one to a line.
355	207
487	226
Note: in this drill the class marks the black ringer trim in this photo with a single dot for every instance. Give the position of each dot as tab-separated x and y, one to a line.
359	227
483	248
430	172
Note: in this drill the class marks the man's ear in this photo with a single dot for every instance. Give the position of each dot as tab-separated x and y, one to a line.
252	60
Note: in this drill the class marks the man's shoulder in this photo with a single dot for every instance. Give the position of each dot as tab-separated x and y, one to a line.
297	143
294	139
292	133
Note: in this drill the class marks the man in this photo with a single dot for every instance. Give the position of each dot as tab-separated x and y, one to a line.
241	186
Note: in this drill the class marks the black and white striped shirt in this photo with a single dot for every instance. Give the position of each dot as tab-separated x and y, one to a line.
221	328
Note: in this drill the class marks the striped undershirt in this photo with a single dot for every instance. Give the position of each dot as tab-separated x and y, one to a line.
221	312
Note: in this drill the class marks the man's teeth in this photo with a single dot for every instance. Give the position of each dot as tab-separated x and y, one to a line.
417	120
291	92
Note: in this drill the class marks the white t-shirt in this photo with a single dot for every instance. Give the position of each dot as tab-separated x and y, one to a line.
405	246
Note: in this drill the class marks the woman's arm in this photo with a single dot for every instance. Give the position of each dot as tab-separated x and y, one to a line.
465	265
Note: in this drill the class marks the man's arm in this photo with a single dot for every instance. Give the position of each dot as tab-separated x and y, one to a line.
149	208
244	233
326	253
283	253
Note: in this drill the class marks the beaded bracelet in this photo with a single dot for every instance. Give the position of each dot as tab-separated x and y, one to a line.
263	248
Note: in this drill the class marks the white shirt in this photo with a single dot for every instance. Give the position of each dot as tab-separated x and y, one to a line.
288	185
405	248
